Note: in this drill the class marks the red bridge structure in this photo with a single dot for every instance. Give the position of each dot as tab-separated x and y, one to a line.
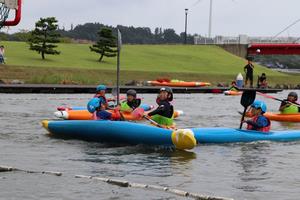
273	49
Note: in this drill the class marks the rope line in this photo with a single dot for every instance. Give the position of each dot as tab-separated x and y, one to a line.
123	183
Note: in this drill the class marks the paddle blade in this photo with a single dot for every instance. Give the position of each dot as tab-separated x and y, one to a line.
248	98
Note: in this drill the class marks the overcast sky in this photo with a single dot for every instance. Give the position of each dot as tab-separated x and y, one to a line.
230	17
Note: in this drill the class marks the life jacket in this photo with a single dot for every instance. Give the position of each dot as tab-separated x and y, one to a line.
292	109
161	120
99	96
125	107
233	88
263	129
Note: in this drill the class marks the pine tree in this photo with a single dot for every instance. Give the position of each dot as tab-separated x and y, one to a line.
44	37
106	45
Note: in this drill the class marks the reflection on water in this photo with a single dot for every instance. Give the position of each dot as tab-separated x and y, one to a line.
253	161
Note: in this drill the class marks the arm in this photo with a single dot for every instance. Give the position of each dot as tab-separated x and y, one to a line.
283	105
158	110
260	123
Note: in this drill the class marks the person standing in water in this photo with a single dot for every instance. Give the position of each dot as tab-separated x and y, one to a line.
249	73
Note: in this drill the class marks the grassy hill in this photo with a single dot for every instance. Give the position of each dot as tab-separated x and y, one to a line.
138	62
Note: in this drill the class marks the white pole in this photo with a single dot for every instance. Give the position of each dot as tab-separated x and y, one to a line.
210	18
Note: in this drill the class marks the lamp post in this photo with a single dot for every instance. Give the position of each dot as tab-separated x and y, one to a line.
185	32
210	18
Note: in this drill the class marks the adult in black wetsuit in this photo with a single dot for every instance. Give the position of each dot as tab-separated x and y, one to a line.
249	73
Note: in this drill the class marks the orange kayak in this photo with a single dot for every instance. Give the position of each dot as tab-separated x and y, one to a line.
179	84
280	117
86	115
234	93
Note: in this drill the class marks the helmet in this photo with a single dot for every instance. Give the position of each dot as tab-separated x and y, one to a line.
93	104
169	90
100	88
293	94
131	92
259	104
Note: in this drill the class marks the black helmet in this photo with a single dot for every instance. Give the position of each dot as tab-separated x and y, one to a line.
131	92
169	90
293	94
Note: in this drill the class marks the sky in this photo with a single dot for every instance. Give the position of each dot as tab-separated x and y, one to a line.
230	17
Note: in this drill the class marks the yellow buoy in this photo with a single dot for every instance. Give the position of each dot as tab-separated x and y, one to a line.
184	139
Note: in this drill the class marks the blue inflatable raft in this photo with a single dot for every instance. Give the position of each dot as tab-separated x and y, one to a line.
121	132
135	133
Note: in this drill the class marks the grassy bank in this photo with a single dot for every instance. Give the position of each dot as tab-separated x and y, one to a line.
138	62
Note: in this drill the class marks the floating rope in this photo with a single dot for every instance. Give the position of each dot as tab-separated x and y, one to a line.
123	183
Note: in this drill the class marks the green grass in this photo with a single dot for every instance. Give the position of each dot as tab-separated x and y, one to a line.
138	62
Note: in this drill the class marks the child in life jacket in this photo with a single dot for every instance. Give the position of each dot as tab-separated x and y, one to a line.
98	106
163	114
131	103
286	107
258	122
233	86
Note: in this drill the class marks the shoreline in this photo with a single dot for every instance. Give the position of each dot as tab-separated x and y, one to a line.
77	89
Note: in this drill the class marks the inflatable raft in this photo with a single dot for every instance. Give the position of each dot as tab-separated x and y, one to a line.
86	115
135	133
178	83
121	132
233	93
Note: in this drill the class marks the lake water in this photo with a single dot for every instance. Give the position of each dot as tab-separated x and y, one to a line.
257	170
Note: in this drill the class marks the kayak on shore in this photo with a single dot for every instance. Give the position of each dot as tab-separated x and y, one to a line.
178	83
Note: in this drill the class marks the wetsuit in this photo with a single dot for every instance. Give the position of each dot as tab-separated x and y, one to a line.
249	73
163	115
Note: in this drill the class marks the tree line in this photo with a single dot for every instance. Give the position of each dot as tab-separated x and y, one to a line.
130	34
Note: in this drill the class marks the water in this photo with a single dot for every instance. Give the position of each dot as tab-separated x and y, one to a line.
258	170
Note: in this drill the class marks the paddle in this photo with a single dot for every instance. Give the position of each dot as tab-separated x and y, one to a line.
247	99
139	113
271	97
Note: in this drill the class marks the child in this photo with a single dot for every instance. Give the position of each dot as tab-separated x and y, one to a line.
233	86
258	122
131	103
286	107
262	81
98	106
163	114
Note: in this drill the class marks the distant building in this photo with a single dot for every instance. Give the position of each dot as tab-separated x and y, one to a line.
244	39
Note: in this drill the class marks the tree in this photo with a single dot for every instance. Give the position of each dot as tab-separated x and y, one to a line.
106	45
44	37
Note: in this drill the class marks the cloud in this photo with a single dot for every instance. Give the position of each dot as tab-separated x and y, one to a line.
251	17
